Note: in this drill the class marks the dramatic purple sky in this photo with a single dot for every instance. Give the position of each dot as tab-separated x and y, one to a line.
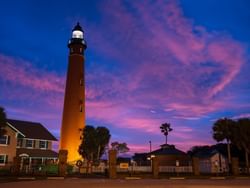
184	62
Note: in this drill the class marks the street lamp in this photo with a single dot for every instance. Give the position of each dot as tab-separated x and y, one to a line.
150	146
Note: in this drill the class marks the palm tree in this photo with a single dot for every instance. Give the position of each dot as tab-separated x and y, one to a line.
242	137
223	130
165	129
2	121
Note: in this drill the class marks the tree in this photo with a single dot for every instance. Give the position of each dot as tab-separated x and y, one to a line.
94	141
223	130
195	149
165	129
2	121
103	137
241	137
119	147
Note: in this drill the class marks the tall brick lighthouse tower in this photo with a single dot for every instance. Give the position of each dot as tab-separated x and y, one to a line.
74	100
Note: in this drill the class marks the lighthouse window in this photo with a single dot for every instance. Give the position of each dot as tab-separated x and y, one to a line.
80	108
80	50
81	82
71	50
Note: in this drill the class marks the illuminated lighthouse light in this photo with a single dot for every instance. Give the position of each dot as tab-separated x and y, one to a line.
77	34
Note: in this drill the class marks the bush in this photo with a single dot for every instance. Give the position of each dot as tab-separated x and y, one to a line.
4	171
69	169
51	169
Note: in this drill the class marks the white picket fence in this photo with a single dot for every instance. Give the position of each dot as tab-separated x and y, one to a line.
166	169
176	169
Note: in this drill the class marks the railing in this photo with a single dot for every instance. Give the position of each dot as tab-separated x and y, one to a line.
135	169
167	169
176	169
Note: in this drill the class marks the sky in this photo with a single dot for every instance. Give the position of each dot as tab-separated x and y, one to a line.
148	62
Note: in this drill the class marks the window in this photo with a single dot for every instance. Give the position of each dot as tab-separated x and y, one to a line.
81	82
29	143
43	144
19	142
3	159
81	102
4	140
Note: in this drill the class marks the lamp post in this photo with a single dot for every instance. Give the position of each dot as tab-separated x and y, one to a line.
151	156
150	150
150	146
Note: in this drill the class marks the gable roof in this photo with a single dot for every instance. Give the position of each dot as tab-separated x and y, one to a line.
207	153
168	150
31	130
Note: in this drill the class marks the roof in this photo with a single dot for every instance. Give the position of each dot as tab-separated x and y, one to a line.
77	27
31	130
206	153
37	153
168	150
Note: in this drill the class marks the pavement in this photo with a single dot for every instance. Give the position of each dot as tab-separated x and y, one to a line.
129	183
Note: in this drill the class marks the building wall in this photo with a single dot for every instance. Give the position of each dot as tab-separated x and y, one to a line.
214	164
73	119
36	143
218	163
50	145
9	149
170	160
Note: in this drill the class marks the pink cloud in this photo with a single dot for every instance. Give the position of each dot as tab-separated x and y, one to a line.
245	115
167	61
23	73
137	148
192	142
160	60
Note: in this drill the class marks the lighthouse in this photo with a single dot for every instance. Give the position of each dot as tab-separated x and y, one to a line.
73	119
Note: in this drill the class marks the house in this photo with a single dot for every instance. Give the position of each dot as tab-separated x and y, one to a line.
28	142
142	159
168	155
212	161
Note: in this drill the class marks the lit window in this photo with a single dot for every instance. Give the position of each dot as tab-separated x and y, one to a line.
77	34
29	143
4	140
43	144
81	102
81	82
3	159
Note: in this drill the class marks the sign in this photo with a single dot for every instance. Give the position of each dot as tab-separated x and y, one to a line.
79	163
124	165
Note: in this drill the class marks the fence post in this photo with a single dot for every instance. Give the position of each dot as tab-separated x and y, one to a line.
112	164
235	166
62	166
155	167
196	166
